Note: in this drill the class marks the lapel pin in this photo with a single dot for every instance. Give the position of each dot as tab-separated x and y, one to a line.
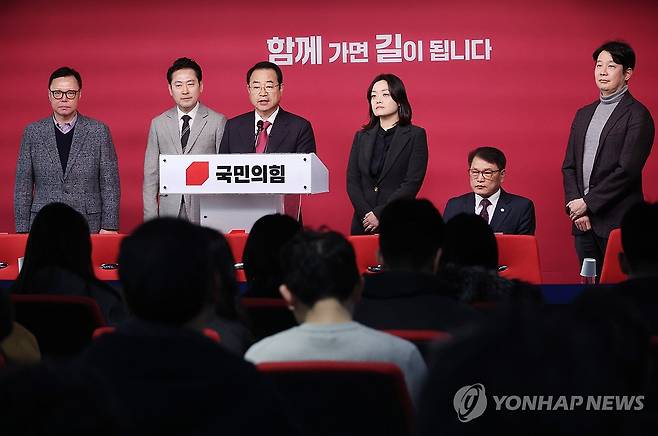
502	209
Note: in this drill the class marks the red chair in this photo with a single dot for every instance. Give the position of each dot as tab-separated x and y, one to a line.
62	324
611	271
105	254
518	256
338	398
209	333
267	316
12	246
366	248
237	239
422	339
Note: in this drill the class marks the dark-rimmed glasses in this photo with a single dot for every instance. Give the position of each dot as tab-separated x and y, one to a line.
58	94
487	174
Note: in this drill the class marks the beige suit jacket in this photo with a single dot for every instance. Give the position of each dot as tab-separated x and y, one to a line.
164	138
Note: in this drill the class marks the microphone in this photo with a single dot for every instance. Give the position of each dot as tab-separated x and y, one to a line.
259	128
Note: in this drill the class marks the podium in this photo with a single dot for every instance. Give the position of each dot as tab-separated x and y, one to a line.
235	190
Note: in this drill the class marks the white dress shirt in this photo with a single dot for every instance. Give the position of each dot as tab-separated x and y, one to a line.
491	208
271	119
191	114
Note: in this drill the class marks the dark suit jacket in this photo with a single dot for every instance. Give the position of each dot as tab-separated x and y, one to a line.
404	169
89	185
395	300
514	214
171	380
290	134
616	180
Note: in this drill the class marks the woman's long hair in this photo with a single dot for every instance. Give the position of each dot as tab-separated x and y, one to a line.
59	238
398	94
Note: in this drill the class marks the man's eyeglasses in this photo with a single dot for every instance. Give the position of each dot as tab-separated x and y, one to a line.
487	174
58	95
269	88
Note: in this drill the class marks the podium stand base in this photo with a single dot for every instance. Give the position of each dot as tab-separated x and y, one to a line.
226	212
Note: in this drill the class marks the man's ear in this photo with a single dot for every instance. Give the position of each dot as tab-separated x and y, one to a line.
287	296
623	263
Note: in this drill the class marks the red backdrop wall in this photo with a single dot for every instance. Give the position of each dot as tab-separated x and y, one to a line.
521	100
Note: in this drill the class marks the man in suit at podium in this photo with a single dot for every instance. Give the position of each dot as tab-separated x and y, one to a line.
268	129
506	213
188	128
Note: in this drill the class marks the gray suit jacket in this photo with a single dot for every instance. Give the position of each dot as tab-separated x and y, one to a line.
164	138
90	183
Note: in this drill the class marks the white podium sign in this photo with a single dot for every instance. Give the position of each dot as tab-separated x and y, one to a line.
237	189
243	174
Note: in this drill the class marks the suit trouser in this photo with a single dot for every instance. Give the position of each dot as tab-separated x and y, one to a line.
589	244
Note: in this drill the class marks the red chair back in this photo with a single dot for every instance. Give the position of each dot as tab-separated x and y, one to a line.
237	240
422	339
105	251
62	324
519	255
209	333
12	246
611	271
267	316
365	248
337	398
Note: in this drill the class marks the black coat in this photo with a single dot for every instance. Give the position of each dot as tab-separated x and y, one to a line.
401	300
171	380
402	175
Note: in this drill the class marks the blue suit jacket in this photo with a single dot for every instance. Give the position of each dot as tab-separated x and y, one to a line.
514	214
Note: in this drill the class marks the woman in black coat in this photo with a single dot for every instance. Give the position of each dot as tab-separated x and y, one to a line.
388	159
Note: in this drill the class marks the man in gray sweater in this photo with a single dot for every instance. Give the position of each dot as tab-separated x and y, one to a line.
608	146
321	285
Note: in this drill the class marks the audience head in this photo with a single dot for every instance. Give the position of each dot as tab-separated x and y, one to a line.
167	274
262	264
49	400
318	266
6	315
469	241
59	237
390	89
221	257
639	239
411	235
486	169
525	351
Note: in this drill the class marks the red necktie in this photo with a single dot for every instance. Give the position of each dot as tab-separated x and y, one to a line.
261	143
485	203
